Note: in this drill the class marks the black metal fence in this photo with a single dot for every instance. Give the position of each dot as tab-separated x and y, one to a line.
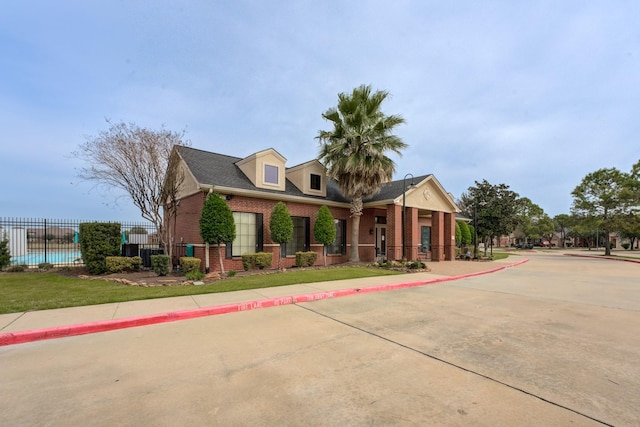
34	241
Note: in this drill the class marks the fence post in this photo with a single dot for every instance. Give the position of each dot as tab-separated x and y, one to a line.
45	240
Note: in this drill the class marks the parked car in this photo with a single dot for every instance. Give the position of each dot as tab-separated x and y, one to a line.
524	245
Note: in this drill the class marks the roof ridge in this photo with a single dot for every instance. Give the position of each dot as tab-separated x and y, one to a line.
209	152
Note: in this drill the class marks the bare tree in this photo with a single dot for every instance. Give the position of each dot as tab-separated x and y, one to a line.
136	160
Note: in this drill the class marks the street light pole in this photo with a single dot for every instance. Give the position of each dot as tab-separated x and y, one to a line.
404	207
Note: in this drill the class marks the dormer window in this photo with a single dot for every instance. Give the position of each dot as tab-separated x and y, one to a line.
315	181
271	174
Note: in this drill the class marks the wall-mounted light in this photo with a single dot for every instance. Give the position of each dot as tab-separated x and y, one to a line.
371	231
229	197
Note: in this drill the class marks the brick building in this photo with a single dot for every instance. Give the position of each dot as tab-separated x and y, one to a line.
253	185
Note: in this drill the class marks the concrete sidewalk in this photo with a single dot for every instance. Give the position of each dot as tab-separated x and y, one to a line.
46	324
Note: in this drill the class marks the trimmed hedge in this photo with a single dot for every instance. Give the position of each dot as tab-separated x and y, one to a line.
306	259
118	264
259	259
160	264
99	240
5	256
189	264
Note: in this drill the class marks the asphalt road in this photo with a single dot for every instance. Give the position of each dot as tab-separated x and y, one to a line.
552	342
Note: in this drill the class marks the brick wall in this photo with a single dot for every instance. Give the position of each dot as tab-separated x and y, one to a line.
187	229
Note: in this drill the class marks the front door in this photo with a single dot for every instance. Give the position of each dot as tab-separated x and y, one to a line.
381	240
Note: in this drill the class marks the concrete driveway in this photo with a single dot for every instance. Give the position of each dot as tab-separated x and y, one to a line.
552	342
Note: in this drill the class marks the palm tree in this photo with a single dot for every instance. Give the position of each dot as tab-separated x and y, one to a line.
354	151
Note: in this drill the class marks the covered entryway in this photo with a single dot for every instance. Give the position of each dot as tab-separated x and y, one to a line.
419	220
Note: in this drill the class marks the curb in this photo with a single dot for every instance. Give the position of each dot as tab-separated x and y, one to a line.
22	337
602	257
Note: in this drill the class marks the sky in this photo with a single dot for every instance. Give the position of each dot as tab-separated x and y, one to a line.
532	94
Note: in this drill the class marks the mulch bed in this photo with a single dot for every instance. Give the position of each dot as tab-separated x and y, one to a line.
150	278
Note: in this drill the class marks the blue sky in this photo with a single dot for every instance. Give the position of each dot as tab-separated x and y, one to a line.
532	94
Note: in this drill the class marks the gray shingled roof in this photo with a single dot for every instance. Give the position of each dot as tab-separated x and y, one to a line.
393	189
221	170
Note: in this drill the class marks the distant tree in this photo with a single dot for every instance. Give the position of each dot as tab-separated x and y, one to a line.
281	226
5	256
587	228
628	227
627	224
216	224
355	150
495	209
601	195
458	234
562	223
138	230
466	234
546	228
135	160
324	230
528	217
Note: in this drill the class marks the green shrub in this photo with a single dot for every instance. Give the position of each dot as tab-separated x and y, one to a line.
99	240
45	266
160	264
625	245
194	275
5	256
189	264
118	264
306	259
231	273
248	261
264	259
414	265
259	260
385	263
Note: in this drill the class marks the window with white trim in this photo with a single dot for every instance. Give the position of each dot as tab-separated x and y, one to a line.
249	231
271	174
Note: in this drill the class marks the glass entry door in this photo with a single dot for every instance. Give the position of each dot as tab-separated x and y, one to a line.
381	240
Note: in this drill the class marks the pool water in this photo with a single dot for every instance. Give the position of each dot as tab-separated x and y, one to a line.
35	258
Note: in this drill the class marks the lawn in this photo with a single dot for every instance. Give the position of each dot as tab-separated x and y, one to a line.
41	291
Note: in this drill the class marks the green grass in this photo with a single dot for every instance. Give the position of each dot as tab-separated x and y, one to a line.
41	291
615	255
500	255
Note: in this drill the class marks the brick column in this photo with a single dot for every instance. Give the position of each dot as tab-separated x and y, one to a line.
412	237
449	237
394	232
437	236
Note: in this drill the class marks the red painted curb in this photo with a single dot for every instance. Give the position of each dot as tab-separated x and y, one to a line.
635	261
111	325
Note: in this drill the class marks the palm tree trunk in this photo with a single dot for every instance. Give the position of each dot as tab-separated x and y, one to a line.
354	255
356	213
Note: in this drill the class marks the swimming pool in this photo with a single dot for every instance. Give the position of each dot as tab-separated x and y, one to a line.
62	257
